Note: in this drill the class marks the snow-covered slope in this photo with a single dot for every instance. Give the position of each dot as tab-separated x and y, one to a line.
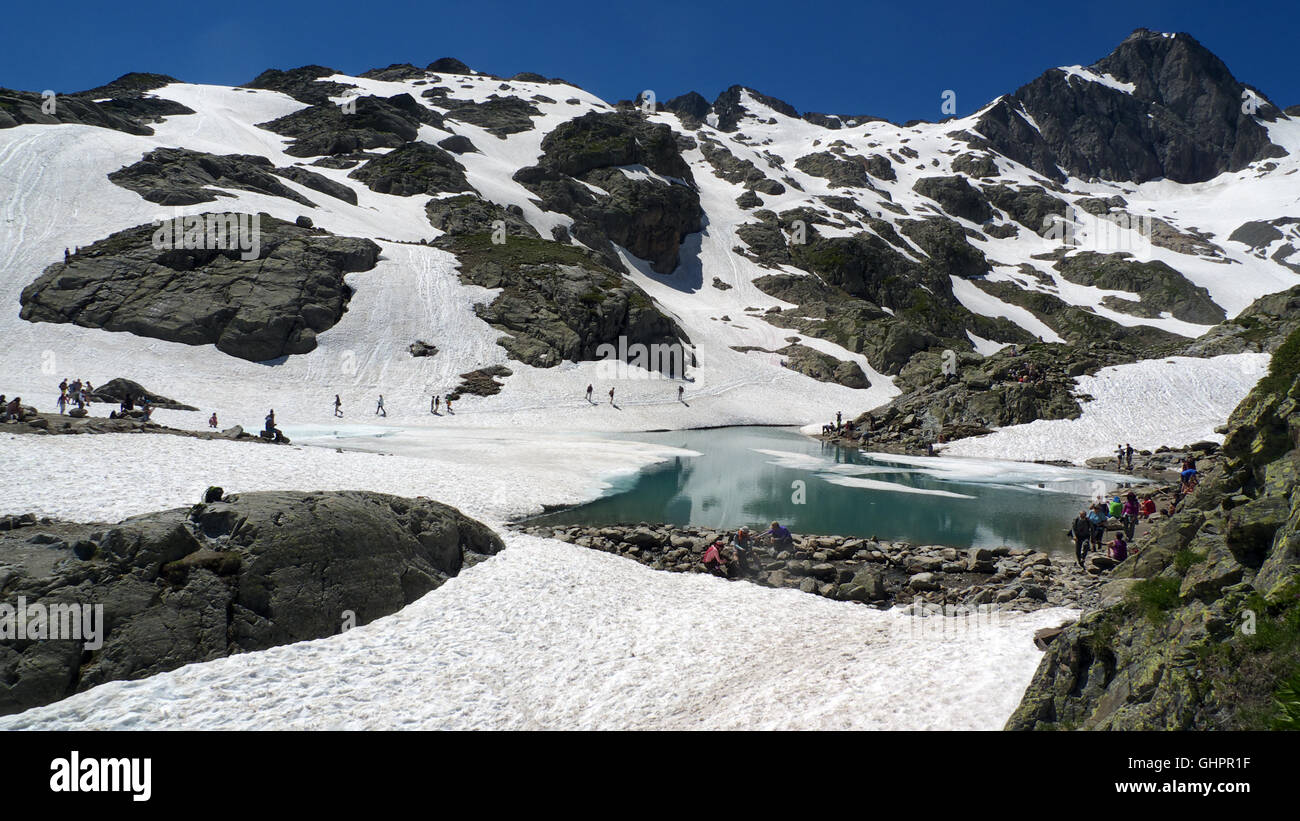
58	196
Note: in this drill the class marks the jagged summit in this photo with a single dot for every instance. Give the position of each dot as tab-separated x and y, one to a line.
1158	106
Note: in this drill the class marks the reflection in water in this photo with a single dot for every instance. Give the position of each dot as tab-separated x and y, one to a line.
752	475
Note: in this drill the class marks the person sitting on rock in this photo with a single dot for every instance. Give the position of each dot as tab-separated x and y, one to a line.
1119	548
1148	507
14	410
4	408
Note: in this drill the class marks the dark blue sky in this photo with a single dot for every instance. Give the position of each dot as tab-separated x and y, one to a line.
891	60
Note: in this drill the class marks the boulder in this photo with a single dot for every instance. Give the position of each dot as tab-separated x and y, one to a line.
252	571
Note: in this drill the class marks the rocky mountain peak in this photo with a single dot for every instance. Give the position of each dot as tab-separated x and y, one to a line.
729	107
1159	106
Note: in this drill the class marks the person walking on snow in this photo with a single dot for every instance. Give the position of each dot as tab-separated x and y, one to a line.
379	408
338	405
433	403
611	396
680	390
589	394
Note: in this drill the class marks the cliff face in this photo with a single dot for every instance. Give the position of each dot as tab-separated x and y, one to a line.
1201	629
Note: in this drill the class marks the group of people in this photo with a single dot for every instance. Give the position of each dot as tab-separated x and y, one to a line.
738	555
681	394
11	408
1124	453
128	408
270	432
436	402
74	393
1028	372
839	425
1089	529
439	402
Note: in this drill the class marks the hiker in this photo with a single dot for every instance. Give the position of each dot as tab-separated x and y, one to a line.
779	535
434	401
1189	480
745	551
1148	507
714	561
839	420
1119	457
447	403
63	386
1119	548
680	390
1081	530
63	402
589	394
1129	514
379	408
212	420
1116	508
146	408
1128	455
1097	518
270	421
929	448
611	396
338	405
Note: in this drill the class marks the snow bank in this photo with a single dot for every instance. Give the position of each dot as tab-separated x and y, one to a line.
552	636
1155	402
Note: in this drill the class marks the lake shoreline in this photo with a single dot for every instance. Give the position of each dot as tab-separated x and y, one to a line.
880	574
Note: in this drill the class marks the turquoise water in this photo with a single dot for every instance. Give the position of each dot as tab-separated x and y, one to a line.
753	475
